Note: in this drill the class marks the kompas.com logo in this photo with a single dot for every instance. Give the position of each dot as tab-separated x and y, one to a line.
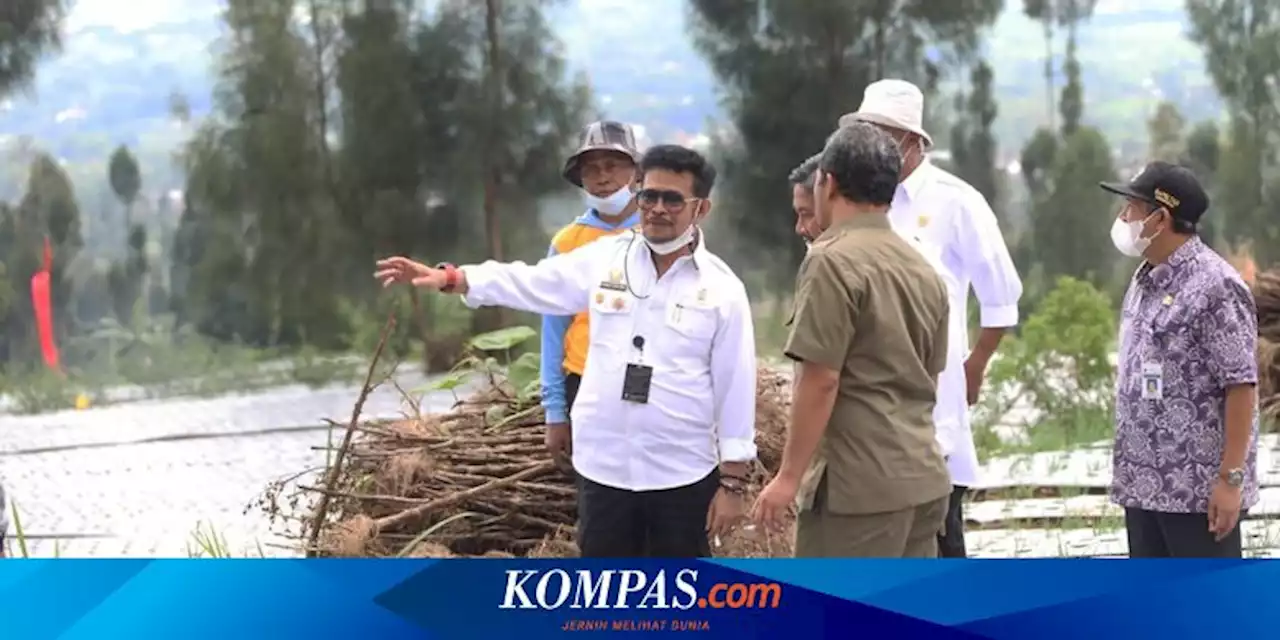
631	589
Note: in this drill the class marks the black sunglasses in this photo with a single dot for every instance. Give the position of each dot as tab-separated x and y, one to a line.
672	201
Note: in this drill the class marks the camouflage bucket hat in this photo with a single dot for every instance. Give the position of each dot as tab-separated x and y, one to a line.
605	135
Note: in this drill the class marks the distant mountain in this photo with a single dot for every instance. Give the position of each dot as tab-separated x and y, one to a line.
123	60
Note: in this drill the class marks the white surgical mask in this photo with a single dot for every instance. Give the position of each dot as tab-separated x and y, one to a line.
613	204
1127	236
671	246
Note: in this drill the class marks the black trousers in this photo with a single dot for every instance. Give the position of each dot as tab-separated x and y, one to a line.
670	523
1153	534
951	541
572	382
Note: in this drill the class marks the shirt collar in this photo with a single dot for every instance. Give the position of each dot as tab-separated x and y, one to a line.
860	221
1162	275
915	182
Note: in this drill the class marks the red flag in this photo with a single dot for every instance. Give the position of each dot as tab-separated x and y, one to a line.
43	306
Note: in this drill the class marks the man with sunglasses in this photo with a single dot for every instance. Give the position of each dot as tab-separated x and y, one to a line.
604	168
664	422
952	219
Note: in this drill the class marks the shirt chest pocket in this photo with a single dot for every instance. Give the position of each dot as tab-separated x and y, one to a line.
612	319
693	322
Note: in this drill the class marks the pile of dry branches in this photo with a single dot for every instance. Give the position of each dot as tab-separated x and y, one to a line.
1266	293
477	481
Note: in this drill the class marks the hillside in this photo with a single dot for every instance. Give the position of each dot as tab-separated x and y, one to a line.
122	62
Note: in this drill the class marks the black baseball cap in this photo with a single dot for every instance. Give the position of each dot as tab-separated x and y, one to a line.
1166	185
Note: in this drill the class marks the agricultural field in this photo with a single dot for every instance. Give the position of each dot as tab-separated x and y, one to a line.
173	478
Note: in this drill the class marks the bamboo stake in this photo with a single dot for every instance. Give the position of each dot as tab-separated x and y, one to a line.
331	479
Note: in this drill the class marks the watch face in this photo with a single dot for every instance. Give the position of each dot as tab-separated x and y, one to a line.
1235	478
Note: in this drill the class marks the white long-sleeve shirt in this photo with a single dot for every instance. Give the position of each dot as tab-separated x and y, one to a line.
698	337
952	218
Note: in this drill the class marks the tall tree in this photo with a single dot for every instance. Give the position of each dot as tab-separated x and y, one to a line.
1165	133
978	162
1051	14
291	192
126	278
1071	222
1072	103
49	209
788	70
125	177
530	115
1241	43
29	29
1203	149
265	135
1062	172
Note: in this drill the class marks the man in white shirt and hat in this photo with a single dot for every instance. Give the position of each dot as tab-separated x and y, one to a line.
949	216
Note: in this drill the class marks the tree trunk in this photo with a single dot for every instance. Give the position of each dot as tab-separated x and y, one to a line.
490	319
1048	70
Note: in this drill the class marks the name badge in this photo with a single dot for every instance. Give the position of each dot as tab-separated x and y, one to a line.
615	281
1152	381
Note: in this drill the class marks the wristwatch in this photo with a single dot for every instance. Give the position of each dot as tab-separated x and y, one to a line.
450	277
1233	477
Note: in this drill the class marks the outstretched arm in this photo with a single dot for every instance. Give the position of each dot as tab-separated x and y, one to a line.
558	285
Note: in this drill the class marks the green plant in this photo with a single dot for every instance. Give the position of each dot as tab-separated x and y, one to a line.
207	542
1061	365
312	368
20	534
521	375
40	391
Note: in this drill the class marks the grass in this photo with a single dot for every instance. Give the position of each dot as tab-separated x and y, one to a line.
208	542
203	373
205	542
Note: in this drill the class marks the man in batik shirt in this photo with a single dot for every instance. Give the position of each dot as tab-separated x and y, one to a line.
1186	420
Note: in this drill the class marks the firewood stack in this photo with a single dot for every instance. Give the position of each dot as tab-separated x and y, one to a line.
477	481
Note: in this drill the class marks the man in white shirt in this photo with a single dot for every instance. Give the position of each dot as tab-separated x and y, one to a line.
664	422
948	215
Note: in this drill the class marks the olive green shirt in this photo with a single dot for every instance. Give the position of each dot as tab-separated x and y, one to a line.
869	305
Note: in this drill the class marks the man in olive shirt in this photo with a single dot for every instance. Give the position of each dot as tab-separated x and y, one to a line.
870	333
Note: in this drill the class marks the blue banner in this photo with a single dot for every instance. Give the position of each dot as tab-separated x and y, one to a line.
530	599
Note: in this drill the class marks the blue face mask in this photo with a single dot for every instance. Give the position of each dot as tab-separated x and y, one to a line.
611	205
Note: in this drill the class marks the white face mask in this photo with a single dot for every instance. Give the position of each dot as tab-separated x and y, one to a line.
1127	236
671	246
612	205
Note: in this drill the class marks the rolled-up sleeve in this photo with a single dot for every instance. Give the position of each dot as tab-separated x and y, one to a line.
1228	332
733	380
985	260
826	311
558	285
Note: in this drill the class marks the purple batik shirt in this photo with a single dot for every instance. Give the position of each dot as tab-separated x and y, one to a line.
1193	320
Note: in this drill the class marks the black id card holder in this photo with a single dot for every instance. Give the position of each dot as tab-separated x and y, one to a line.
635	383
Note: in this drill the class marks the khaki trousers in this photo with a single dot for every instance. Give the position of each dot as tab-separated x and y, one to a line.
909	533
